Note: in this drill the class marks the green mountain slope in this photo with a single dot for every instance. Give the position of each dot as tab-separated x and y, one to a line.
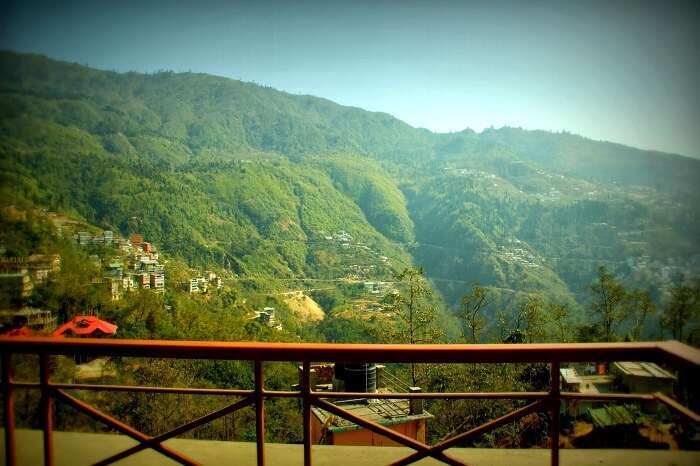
264	182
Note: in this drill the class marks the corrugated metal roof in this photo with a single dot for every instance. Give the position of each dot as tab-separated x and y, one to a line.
611	416
643	369
382	411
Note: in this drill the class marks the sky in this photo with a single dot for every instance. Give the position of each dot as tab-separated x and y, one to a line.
622	71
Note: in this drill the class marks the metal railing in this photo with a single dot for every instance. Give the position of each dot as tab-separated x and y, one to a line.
683	357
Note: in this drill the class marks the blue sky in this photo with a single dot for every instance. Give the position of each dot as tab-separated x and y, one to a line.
624	71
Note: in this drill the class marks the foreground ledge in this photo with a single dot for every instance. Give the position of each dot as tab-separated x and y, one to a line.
81	449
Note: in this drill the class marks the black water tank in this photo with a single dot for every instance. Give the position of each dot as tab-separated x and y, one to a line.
360	377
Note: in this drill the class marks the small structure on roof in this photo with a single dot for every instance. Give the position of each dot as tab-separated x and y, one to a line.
401	415
86	326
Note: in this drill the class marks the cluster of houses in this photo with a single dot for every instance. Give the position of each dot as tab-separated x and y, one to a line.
340	237
472	172
379	288
345	240
518	255
600	422
137	266
204	283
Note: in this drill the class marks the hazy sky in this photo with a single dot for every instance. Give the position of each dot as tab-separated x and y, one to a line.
624	71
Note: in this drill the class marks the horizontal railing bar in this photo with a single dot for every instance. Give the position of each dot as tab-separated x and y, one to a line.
679	354
282	394
346	395
439	353
607	396
25	384
433	395
679	408
147	389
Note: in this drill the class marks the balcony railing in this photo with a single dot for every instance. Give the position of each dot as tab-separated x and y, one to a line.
682	357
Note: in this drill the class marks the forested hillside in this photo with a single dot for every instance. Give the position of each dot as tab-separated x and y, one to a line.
264	183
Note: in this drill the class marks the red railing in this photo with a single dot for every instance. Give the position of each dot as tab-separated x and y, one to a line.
683	357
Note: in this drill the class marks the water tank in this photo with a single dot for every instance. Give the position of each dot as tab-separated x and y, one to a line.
357	377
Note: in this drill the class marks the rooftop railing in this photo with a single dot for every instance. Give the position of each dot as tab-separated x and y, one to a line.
671	353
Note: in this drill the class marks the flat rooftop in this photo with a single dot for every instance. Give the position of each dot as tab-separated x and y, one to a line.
643	369
383	411
76	449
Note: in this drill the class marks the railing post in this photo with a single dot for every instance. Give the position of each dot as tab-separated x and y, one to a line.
46	409
9	410
555	406
306	387
260	413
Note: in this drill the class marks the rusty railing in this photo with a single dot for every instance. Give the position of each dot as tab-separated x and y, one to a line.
682	357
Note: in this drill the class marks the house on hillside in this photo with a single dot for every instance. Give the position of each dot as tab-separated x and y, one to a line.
15	288
267	317
157	282
34	320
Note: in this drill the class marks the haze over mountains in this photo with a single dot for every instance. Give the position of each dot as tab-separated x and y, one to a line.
264	182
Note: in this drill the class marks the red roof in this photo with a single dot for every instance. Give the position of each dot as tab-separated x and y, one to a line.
20	332
85	326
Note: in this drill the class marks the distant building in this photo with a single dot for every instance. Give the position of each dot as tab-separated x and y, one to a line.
147	264
192	286
83	238
36	320
143	280
136	240
202	284
267	317
39	266
108	237
147	247
157	282
15	288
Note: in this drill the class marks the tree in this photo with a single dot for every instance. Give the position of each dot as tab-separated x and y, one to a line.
414	311
472	305
560	315
531	320
609	304
681	310
641	306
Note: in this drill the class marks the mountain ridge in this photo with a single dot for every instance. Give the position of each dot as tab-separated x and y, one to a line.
5	54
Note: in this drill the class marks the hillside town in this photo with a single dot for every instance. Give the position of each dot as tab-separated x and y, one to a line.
120	266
